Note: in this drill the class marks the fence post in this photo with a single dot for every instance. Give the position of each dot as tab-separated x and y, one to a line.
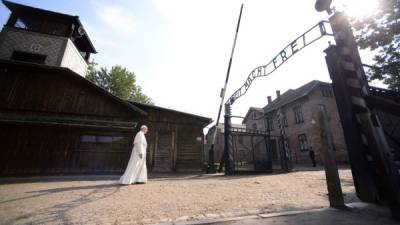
286	162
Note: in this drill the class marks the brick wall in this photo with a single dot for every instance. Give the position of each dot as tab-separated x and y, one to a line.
310	108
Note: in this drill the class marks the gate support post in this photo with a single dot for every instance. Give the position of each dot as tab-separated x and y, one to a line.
228	147
285	155
372	164
335	193
357	152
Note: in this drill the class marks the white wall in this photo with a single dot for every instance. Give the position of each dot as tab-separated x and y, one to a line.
73	60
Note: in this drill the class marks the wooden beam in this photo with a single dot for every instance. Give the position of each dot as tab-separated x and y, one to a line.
383	105
65	121
335	193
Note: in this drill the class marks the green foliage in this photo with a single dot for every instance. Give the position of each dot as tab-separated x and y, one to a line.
381	32
118	81
91	71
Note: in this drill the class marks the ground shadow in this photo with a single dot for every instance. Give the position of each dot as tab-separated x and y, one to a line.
57	190
58	213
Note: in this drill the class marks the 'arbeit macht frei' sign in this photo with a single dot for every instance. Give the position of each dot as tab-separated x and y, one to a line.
313	34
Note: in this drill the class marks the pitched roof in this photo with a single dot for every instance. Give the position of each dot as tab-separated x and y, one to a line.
261	110
201	118
292	95
83	44
62	71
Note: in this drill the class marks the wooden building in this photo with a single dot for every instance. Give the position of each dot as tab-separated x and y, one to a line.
175	139
45	37
54	121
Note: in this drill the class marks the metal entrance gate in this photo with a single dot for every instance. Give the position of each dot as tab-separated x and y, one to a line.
256	151
251	151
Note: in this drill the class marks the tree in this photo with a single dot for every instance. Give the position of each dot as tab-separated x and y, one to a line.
381	33
91	71
118	81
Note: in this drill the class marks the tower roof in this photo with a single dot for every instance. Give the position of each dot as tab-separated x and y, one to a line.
83	43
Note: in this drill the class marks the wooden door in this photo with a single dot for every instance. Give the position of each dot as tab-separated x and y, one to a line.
163	152
189	156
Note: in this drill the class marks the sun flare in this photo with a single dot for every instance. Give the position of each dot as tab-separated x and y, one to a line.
360	8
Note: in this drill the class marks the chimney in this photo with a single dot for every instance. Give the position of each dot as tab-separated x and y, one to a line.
269	99
278	93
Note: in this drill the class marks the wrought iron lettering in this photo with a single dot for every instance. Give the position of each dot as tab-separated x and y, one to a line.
295	46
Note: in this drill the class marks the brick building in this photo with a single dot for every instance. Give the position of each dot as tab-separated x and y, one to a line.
300	109
254	119
241	143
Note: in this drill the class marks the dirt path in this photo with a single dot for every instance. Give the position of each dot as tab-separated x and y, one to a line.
164	199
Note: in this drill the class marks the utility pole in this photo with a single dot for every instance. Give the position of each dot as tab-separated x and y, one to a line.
211	167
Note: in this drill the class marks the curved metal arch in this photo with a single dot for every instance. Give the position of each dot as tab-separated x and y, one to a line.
286	53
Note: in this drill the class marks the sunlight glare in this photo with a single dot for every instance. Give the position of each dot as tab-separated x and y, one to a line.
360	8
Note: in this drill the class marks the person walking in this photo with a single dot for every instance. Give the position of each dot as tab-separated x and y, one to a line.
136	171
311	153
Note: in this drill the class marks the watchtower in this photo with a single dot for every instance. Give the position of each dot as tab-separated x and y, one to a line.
40	36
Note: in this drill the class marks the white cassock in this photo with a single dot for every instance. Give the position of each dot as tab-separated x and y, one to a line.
136	171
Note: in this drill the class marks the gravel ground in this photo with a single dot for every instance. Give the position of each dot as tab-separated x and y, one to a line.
164	199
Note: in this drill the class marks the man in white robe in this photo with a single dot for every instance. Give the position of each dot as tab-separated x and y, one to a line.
136	171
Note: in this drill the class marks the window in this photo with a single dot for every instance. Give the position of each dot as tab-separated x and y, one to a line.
327	92
303	142
298	114
323	108
240	139
39	24
20	24
28	57
284	119
103	143
98	139
270	124
254	115
254	126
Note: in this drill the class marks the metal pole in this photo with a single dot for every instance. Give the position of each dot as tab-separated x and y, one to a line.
211	168
228	148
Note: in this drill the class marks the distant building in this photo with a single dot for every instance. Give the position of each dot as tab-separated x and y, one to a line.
241	143
255	119
300	108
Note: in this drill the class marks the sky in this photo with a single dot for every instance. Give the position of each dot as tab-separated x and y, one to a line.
179	49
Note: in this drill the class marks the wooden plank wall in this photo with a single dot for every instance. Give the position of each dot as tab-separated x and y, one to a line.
47	91
189	155
30	150
164	152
